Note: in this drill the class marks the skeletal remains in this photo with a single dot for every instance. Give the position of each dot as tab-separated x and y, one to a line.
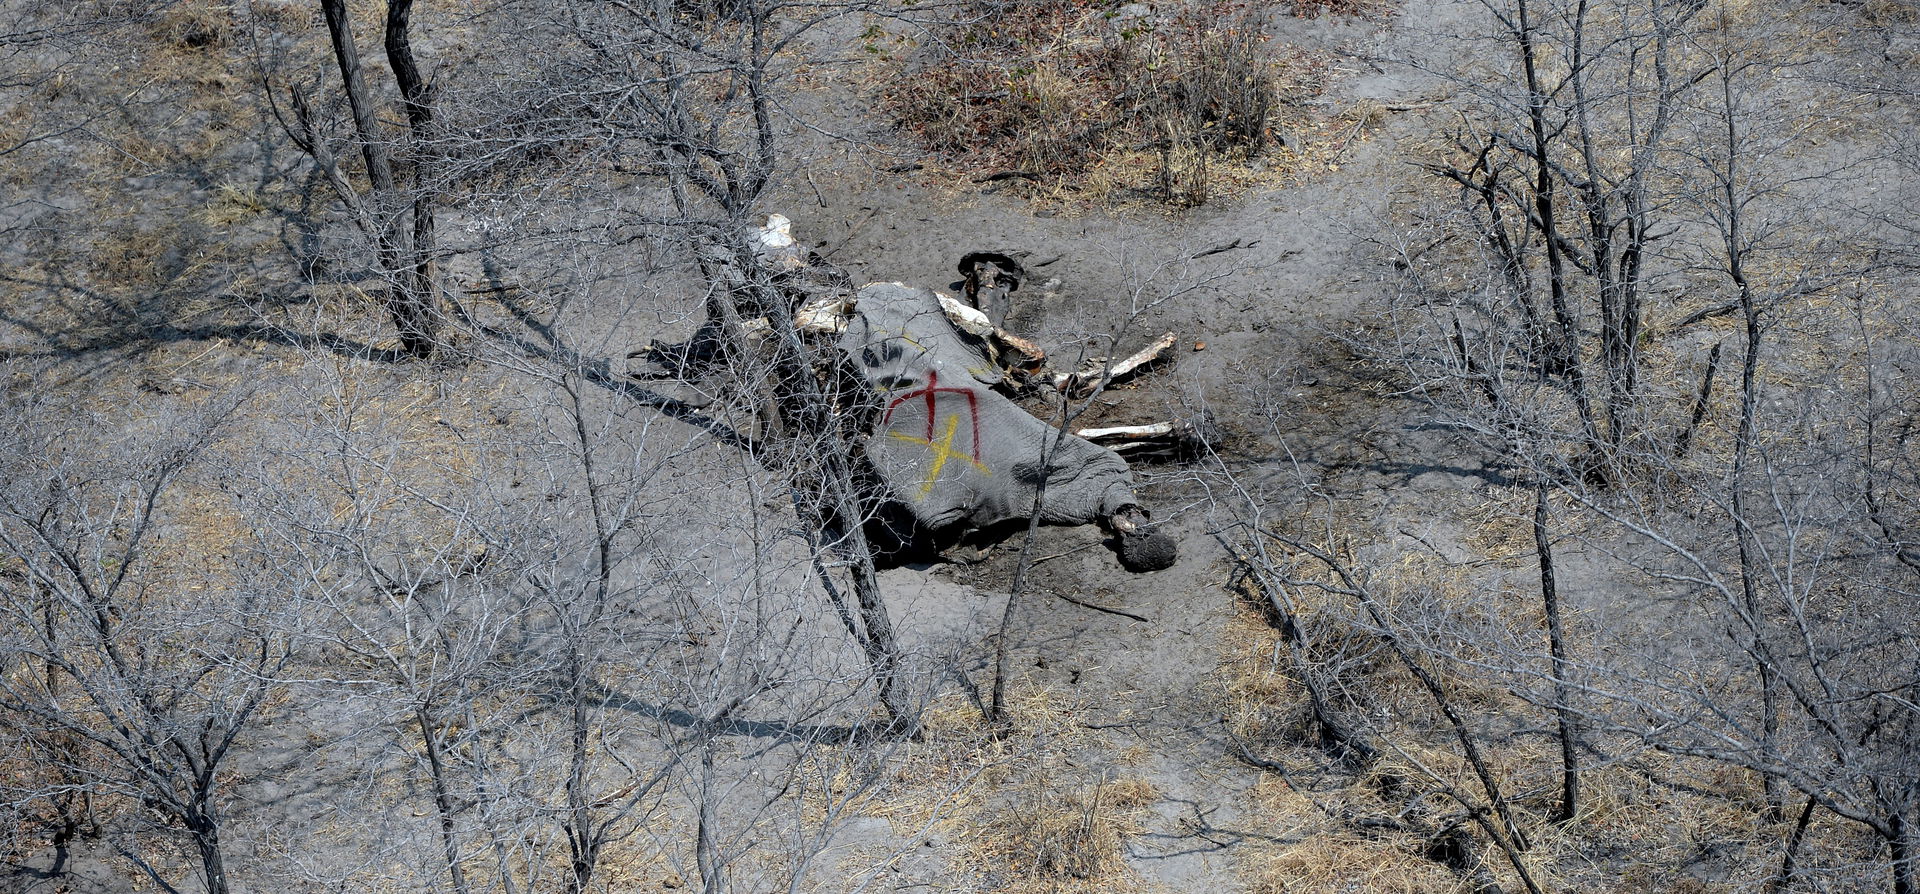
945	438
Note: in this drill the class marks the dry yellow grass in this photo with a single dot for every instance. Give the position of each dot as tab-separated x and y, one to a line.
1344	863
1053	839
1023	813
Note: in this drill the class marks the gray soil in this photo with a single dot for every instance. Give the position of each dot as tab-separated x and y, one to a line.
1138	650
1141	648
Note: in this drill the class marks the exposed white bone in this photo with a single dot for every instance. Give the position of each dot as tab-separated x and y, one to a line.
1145	356
776	244
1090	372
826	315
970	320
1128	432
1193	435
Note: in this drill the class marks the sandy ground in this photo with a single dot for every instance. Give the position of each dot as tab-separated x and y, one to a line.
1273	370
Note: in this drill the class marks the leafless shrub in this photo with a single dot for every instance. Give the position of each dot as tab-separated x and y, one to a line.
1311	9
1056	836
130	667
1052	90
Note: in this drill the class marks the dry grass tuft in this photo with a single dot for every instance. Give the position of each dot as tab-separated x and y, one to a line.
233	203
1025	813
1058	839
1345	862
1890	12
199	26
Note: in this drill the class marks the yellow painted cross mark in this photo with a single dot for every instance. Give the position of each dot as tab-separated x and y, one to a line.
942	451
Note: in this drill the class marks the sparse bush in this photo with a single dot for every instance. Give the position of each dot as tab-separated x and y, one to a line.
1209	76
1313	9
1053	90
195	27
1006	99
1058	836
1262	693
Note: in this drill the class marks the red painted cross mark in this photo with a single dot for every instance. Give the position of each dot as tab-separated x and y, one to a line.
933	388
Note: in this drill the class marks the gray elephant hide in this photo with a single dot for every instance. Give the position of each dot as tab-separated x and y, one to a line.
949	447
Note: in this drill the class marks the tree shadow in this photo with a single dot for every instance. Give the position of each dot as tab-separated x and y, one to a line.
1196	834
778	731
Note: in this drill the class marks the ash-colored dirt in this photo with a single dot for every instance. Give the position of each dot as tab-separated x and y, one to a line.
1261	349
1258	347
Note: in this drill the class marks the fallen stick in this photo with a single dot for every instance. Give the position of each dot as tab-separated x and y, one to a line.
1224	248
1101	608
1007	175
1061	555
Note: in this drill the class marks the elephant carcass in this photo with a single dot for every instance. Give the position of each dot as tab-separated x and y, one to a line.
956	452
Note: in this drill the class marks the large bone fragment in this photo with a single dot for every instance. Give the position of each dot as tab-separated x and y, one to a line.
1180	437
1082	382
1146	355
966	319
1123	433
1015	352
825	315
776	245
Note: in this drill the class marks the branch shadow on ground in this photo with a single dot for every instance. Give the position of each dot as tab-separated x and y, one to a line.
780	731
1196	834
120	329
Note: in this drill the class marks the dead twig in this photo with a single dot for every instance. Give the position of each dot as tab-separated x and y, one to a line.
1101	608
1235	245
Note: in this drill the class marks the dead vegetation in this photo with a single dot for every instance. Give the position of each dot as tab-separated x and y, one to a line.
1115	101
1065	839
1399	818
1059	98
1047	809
